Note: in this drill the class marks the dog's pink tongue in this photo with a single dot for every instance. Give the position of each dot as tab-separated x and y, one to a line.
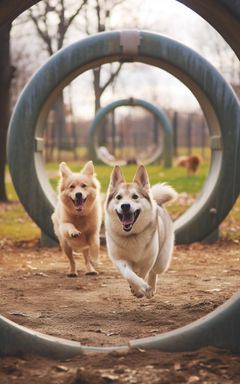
128	220
78	205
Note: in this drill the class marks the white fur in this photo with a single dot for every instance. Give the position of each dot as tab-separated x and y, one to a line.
162	193
144	251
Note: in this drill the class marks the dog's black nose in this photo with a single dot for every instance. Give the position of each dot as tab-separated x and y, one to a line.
125	207
78	195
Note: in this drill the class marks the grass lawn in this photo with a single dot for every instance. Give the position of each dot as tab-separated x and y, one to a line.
16	225
175	176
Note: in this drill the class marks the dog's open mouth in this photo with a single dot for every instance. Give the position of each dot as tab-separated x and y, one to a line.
128	219
78	203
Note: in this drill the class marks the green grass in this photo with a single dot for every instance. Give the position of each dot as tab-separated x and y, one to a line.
16	225
174	176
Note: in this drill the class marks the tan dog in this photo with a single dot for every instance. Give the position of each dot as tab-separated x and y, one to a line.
77	217
139	231
191	163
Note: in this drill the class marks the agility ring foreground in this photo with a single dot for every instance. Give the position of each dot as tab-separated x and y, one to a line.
220	329
218	102
161	118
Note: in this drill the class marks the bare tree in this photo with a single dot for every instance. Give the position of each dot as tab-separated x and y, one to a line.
62	14
52	20
23	71
99	12
6	74
215	49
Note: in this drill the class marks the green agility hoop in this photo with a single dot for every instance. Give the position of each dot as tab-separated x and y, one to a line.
216	98
160	116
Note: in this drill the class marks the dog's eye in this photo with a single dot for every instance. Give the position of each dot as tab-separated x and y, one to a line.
83	185
135	197
118	197
72	186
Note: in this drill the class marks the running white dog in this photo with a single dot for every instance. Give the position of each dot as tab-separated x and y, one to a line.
139	231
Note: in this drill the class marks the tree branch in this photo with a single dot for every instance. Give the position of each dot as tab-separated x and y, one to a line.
71	18
43	34
111	78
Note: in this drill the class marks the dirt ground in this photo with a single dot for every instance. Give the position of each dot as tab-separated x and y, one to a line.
100	310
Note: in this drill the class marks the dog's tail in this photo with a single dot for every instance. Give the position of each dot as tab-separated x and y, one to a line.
162	193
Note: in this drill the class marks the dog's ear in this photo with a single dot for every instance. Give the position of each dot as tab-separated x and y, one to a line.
64	170
141	178
116	177
88	168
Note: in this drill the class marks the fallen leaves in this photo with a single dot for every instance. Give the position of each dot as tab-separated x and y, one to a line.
106	333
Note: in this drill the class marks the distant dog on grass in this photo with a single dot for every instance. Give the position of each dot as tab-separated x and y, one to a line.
77	217
139	231
191	163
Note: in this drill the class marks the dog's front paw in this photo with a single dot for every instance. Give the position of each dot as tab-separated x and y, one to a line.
139	291
72	274
149	292
90	270
74	234
91	273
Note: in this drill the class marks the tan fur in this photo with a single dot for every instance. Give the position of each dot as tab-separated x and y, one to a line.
77	221
139	232
191	163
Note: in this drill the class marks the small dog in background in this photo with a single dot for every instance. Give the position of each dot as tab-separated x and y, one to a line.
191	163
139	231
77	217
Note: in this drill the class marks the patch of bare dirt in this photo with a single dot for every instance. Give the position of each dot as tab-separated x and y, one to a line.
100	310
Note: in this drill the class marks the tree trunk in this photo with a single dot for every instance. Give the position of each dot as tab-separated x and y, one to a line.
97	87
175	133
6	72
189	135
62	141
98	92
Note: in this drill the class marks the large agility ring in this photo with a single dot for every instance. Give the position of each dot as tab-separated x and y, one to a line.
216	98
